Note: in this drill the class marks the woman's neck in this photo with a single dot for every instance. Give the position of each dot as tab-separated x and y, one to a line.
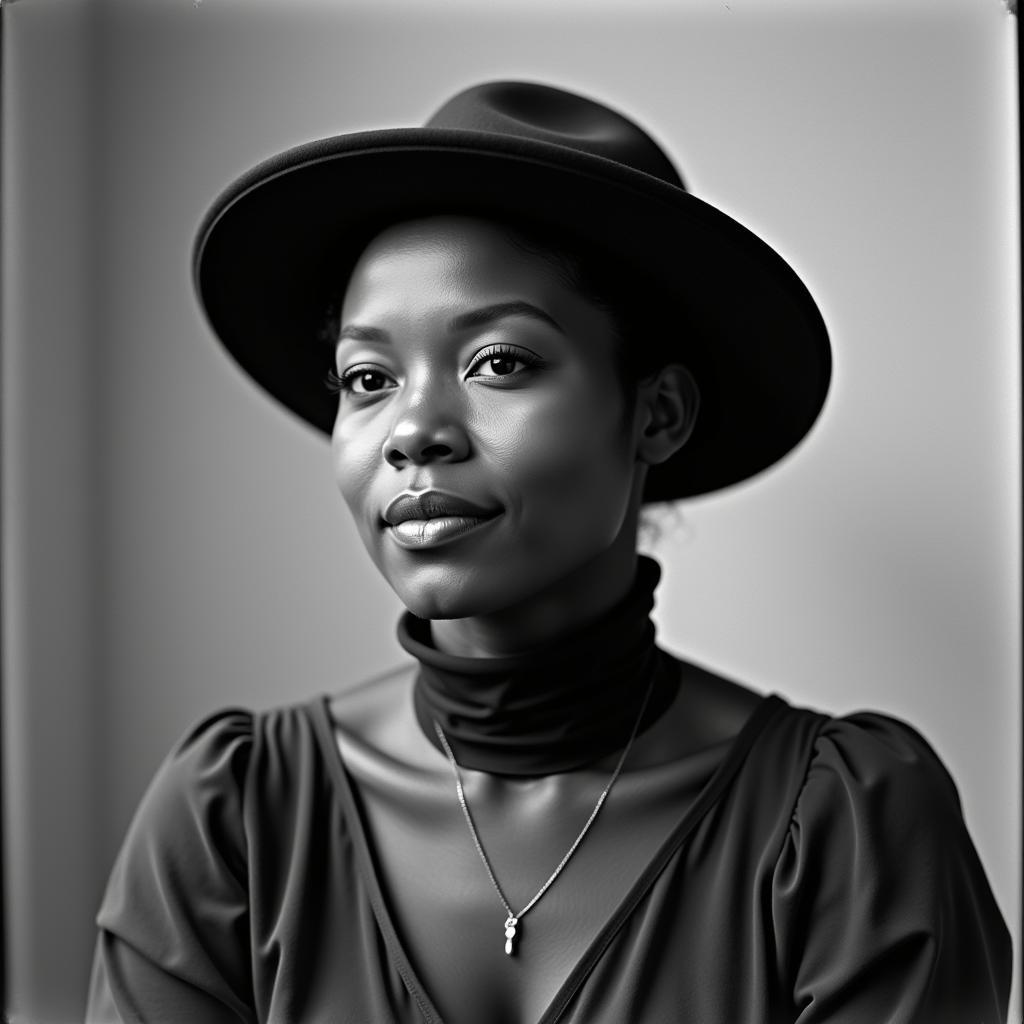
555	706
562	608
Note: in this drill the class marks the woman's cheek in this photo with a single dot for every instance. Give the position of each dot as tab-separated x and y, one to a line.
356	454
567	460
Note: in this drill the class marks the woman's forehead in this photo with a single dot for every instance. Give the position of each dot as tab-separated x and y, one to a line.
452	264
471	247
440	231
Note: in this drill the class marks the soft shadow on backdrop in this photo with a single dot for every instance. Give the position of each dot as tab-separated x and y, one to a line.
174	544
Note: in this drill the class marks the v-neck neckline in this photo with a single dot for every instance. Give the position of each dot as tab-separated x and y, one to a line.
713	789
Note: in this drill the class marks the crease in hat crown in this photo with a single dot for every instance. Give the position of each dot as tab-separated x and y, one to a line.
542	113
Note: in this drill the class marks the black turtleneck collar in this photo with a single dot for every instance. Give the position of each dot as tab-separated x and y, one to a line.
557	707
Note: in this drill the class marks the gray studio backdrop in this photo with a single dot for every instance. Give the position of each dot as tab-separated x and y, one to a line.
174	543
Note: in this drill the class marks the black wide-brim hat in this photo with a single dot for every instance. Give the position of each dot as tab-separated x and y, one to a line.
280	237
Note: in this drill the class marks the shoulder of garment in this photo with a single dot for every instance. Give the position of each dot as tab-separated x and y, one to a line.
880	904
173	923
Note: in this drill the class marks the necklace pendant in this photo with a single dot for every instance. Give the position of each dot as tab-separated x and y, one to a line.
510	934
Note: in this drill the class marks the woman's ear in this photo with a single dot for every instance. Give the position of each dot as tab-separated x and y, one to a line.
667	405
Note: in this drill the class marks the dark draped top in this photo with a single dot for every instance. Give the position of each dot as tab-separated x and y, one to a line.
821	872
807	869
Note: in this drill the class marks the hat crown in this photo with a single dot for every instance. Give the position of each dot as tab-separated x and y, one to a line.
542	113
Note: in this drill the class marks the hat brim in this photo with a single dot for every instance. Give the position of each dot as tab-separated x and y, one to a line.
762	347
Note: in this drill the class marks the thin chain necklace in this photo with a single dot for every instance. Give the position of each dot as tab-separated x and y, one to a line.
513	919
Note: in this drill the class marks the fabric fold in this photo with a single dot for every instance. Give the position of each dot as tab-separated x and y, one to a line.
552	709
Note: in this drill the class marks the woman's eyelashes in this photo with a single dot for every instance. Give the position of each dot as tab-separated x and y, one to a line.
494	363
360	380
501	361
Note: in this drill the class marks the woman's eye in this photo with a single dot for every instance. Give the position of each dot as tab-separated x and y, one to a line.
359	380
501	363
364	381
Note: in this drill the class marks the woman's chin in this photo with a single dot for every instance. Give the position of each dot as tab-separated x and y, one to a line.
496	583
447	598
448	590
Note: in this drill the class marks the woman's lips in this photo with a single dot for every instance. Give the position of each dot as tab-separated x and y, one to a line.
429	533
433	504
430	518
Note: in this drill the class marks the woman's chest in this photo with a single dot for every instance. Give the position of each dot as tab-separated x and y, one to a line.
449	882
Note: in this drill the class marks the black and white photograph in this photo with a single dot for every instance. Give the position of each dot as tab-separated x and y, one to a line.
511	512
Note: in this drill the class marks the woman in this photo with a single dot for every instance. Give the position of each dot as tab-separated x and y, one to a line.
542	816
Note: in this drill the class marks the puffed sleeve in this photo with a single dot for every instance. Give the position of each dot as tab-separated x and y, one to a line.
881	907
173	941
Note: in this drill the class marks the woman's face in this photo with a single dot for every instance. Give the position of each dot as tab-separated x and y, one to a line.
481	441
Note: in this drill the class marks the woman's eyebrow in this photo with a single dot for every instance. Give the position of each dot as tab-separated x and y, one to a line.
499	310
356	332
460	322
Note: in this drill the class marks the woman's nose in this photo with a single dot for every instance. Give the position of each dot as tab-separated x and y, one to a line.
425	431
